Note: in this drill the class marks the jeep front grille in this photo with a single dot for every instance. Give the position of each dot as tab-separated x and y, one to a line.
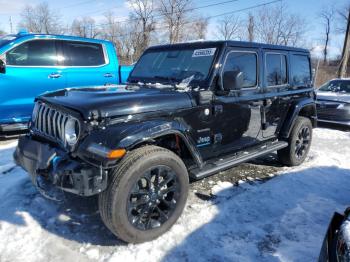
49	122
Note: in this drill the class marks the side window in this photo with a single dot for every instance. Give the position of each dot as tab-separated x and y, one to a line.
33	53
276	69
245	62
300	69
83	54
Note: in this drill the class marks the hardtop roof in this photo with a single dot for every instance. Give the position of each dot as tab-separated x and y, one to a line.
222	43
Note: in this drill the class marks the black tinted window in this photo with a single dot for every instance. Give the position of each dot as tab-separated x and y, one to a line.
244	62
33	53
300	69
276	69
83	54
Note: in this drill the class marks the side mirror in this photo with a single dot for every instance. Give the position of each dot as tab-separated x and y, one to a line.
233	80
2	67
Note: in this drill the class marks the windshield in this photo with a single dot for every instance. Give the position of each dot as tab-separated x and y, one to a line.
6	39
341	86
174	66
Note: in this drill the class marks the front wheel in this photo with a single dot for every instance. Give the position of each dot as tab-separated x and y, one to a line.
299	143
146	195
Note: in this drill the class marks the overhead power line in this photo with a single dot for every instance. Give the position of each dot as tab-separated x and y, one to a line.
209	17
161	15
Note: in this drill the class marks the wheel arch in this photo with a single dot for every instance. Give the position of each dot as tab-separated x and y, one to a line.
175	141
305	108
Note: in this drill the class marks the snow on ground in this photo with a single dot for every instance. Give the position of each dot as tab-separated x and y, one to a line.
281	219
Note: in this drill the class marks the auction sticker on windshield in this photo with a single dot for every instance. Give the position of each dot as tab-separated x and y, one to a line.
204	52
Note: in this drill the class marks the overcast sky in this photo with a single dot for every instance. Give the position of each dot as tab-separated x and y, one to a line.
70	9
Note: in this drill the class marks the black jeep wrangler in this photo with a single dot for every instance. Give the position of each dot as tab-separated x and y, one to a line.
189	111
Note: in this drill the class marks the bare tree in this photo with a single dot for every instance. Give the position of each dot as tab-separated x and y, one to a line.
326	17
250	28
125	36
85	27
175	15
343	18
229	28
40	19
199	28
143	13
277	26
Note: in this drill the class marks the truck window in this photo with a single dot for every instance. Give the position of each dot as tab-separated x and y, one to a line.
245	62
300	69
276	69
83	54
33	53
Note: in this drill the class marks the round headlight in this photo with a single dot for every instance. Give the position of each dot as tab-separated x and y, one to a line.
71	131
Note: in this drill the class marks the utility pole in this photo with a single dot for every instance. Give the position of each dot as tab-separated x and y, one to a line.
11	27
346	50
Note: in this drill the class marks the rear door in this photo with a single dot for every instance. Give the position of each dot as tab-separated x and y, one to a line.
276	82
32	68
87	64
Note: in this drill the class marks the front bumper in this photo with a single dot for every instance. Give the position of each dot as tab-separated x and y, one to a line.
59	168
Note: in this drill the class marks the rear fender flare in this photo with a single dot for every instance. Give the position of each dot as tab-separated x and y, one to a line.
304	107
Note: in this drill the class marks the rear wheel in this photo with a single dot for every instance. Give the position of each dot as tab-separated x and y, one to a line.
146	195
299	143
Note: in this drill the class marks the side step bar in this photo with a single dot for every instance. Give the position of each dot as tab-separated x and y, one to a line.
223	164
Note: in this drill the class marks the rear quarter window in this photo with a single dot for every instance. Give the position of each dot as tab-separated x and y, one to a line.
83	54
300	70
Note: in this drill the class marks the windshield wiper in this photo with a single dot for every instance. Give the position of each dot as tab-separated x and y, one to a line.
171	80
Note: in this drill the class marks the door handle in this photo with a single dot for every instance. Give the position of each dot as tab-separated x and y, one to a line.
108	75
54	75
268	102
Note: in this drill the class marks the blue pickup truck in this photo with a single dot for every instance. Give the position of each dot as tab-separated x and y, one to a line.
31	64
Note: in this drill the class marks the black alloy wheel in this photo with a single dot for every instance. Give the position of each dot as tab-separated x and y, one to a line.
153	198
146	194
299	143
302	142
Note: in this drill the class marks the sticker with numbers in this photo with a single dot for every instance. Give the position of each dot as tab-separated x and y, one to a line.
204	52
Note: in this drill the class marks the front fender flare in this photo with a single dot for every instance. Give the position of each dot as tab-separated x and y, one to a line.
130	135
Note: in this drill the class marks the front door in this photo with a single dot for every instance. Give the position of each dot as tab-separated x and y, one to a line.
31	69
238	113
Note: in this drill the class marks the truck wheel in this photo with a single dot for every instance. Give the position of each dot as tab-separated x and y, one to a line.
146	194
299	143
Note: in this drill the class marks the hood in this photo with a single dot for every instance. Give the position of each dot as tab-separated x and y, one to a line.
114	101
333	97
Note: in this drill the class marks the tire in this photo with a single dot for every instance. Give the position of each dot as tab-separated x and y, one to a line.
299	143
131	208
